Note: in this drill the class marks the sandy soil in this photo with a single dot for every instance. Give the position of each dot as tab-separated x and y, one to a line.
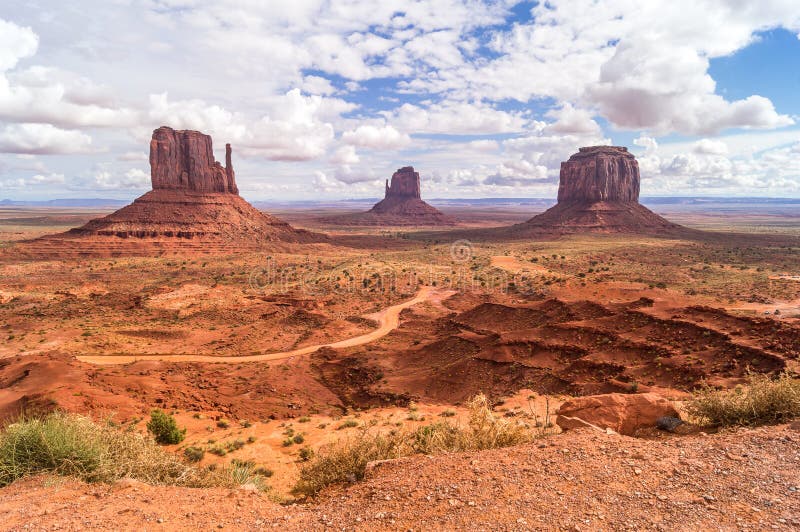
387	319
747	479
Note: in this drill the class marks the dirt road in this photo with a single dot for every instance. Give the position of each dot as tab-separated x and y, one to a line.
388	320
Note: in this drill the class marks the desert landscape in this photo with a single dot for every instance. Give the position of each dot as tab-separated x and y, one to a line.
269	353
590	322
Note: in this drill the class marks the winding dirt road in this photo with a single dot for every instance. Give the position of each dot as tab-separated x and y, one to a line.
388	319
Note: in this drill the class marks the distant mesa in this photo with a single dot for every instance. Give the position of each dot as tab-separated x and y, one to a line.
402	205
194	204
598	191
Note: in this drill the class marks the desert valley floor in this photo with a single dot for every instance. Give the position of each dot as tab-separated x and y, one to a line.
380	328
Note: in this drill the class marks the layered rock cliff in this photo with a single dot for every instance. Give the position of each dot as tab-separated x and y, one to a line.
599	173
184	160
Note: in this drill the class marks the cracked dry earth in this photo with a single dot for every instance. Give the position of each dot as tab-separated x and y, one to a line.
582	480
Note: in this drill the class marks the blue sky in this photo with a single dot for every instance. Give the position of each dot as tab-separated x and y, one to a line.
324	99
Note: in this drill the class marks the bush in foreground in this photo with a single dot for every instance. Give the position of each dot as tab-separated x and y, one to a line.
346	460
764	401
74	446
164	428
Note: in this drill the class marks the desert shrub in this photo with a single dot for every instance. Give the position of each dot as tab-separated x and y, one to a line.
347	424
164	428
75	446
347	459
306	454
764	401
193	454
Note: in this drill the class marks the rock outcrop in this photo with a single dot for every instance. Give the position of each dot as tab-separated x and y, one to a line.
599	173
404	184
194	205
184	160
598	192
623	413
402	205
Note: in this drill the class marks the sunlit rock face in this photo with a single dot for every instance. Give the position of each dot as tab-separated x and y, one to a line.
184	160
599	173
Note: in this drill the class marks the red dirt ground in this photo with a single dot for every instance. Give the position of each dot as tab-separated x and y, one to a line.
744	479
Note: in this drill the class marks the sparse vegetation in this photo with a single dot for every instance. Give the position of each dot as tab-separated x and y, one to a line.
346	460
75	446
193	454
164	428
764	401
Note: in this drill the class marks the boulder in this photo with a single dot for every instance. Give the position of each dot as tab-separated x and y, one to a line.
622	413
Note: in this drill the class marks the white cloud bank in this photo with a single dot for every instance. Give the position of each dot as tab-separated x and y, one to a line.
483	103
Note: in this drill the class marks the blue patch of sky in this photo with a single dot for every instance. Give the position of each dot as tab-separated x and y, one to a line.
769	67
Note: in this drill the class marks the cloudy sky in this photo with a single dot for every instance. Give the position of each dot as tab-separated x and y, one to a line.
324	99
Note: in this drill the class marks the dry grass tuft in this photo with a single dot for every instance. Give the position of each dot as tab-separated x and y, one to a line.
75	446
347	459
764	401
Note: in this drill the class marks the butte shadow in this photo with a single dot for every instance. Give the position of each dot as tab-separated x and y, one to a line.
402	205
194	205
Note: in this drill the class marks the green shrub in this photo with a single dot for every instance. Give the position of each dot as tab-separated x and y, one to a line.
764	401
346	460
193	454
164	428
75	446
347	424
306	454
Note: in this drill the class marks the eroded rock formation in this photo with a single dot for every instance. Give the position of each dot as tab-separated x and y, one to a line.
402	205
184	160
404	184
194	199
599	173
598	192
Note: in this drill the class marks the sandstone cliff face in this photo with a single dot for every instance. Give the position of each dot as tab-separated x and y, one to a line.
598	192
184	160
404	184
599	173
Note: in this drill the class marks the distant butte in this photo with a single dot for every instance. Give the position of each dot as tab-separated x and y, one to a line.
194	205
402	205
598	191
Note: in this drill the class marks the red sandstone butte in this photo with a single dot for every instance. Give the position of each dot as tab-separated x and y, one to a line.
599	173
184	160
402	205
598	192
194	206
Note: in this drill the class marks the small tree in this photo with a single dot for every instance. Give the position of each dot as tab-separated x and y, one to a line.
164	428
